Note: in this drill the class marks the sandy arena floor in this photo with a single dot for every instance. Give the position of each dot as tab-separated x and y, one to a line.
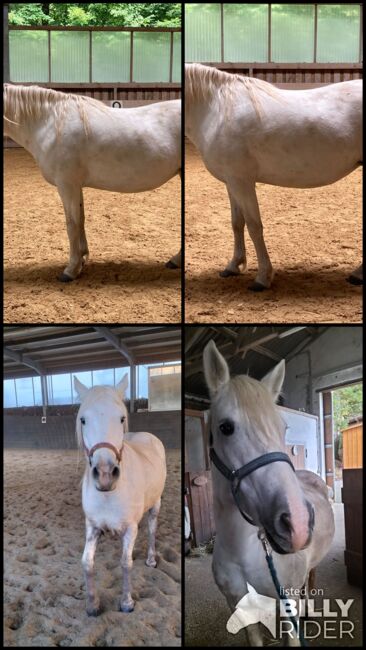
313	238
130	238
44	540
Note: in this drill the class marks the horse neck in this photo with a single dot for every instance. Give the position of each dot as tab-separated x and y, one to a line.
201	116
24	132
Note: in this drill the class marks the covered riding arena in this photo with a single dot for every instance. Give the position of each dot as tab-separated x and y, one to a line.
322	364
131	236
44	522
313	235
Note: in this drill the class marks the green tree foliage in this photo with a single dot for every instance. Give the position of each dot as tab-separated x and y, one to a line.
135	14
347	403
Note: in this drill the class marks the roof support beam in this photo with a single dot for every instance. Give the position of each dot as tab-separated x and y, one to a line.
266	353
25	359
192	339
115	341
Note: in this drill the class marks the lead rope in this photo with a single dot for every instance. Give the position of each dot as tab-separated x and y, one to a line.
268	553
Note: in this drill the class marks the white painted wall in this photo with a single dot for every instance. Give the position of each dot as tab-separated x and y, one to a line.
302	429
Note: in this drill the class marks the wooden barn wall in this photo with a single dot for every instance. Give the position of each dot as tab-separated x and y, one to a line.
296	75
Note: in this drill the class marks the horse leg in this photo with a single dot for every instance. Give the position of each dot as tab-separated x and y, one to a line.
128	542
84	250
70	196
92	536
175	261
238	225
356	276
245	196
152	524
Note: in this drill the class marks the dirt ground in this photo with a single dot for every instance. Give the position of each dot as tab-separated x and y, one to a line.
43	543
130	238
313	238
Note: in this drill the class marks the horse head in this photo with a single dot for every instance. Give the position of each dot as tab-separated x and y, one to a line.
100	427
248	431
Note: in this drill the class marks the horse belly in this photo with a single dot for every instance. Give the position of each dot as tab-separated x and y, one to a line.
116	175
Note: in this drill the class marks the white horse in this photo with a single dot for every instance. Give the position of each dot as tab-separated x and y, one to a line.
248	131
291	507
124	478
79	142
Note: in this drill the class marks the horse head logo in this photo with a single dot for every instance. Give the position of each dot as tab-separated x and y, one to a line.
253	608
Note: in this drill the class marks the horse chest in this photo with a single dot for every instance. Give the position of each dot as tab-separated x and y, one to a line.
109	511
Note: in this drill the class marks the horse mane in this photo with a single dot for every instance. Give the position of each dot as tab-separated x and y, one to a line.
34	101
201	81
263	419
92	395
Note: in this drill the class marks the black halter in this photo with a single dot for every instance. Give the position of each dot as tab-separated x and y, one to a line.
236	475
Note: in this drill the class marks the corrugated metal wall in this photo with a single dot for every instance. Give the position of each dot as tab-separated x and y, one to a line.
27	431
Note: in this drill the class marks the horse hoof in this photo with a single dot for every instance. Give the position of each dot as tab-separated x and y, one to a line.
151	564
353	279
93	611
171	265
126	608
226	273
257	286
64	278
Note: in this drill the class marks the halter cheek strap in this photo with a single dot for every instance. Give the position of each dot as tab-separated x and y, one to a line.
235	476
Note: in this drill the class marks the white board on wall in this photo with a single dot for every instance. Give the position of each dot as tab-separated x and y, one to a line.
165	389
303	430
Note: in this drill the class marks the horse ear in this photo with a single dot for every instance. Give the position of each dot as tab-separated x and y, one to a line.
122	385
274	379
80	388
215	368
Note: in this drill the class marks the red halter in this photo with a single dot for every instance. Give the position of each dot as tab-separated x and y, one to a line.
99	445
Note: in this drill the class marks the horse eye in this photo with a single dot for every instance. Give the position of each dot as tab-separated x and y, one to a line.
227	428
123	418
82	420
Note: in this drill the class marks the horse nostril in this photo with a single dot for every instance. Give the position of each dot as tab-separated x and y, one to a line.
115	472
95	472
285	522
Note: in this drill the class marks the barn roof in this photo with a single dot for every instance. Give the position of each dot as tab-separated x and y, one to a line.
248	349
29	351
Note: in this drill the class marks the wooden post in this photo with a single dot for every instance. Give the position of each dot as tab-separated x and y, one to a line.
360	43
222	31
133	388
44	394
171	58
90	57
6	44
328	437
49	56
131	58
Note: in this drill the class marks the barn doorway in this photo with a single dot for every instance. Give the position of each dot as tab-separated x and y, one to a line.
343	427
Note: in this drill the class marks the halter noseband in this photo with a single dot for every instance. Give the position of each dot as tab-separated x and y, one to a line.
235	476
99	445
